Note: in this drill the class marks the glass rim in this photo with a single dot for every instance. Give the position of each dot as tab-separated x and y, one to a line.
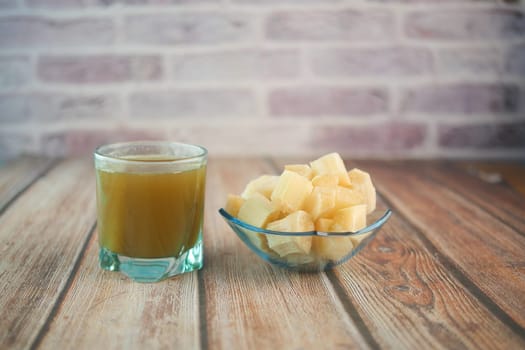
98	154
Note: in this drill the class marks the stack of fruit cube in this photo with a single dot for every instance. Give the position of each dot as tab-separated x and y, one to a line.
322	196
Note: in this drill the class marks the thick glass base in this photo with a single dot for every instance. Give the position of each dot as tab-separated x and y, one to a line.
152	270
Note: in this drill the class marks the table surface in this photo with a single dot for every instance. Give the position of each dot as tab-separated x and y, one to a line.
447	270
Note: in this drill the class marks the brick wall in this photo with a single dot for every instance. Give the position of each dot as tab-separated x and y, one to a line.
382	78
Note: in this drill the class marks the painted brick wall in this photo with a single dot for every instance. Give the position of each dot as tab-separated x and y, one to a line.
382	78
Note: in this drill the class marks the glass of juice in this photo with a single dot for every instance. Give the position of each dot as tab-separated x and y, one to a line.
150	201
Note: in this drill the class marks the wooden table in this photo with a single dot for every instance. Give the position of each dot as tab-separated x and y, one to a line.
447	271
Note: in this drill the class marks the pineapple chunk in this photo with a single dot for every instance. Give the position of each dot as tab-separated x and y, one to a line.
321	201
301	169
347	197
299	221
258	240
331	248
331	164
352	219
361	180
356	240
329	180
285	246
233	204
299	259
323	224
349	219
344	220
263	184
257	211
291	191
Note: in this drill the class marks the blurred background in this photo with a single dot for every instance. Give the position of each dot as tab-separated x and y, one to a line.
366	78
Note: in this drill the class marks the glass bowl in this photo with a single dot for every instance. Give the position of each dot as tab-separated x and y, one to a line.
328	249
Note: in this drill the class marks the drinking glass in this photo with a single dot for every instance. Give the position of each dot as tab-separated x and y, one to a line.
150	201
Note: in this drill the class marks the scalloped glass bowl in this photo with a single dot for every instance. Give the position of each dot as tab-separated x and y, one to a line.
313	261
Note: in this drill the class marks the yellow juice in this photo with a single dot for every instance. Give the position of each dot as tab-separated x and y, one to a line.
150	215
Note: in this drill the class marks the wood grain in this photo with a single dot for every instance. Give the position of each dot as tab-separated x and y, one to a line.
110	310
497	198
409	299
42	236
488	252
251	305
512	174
445	272
18	174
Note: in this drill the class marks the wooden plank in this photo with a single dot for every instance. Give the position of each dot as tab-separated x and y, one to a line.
251	305
407	298
16	175
106	309
511	173
488	252
41	236
497	198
